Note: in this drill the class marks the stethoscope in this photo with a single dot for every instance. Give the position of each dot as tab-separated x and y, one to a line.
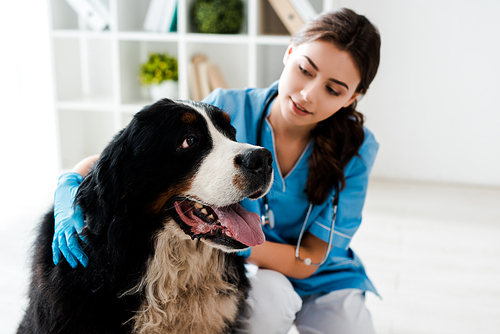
267	218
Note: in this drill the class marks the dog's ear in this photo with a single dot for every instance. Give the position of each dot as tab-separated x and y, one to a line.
104	187
111	171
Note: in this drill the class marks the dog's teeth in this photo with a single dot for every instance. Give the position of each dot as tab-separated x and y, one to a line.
228	233
204	211
211	217
198	205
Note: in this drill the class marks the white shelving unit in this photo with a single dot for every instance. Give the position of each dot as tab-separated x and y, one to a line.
96	73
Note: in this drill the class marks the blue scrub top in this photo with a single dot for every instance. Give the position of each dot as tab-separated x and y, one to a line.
288	201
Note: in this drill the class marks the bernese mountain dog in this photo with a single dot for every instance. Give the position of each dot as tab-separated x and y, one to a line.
163	228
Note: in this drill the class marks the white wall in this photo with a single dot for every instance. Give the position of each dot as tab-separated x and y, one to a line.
28	167
434	106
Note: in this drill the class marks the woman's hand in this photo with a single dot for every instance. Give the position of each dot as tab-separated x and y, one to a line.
68	222
68	219
281	257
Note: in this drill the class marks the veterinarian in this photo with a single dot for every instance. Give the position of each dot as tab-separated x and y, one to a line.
308	274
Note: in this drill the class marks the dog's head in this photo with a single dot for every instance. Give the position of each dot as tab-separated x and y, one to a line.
180	159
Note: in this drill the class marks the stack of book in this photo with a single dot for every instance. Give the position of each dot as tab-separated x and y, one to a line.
161	16
293	13
204	77
93	12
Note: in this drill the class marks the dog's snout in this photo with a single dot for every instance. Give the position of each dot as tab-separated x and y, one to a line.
255	161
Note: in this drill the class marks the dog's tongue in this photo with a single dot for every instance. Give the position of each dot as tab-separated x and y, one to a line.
244	225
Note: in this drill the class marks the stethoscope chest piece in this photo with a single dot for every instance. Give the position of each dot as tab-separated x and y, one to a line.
268	217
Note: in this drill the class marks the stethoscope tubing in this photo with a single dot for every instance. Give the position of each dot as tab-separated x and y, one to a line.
268	216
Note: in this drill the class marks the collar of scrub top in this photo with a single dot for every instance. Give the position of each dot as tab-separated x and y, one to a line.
267	218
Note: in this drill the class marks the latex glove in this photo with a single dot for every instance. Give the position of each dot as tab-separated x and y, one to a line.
245	253
68	222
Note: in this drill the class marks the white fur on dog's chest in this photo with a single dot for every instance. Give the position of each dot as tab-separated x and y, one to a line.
184	287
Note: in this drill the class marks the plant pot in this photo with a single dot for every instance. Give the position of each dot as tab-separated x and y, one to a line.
167	88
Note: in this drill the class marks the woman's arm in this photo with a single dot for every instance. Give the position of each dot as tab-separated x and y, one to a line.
83	166
281	257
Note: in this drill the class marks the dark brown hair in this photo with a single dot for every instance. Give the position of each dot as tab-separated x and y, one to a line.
338	138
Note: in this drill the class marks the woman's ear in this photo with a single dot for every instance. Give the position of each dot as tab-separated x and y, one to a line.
287	53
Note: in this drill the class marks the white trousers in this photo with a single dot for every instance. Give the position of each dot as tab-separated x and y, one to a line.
275	307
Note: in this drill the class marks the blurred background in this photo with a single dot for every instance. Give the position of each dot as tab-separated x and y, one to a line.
429	238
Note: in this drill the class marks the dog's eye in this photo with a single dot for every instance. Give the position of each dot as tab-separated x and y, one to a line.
188	142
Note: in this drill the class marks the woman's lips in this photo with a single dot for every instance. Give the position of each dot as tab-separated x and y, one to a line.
299	110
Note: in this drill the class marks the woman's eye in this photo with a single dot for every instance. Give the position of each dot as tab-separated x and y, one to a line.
188	142
304	71
331	91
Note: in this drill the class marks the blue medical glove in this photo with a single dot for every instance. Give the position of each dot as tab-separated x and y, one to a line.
68	222
245	253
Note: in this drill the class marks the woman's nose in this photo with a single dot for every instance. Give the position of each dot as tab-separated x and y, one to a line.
309	91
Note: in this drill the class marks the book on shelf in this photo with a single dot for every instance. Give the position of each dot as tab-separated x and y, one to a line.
161	16
173	25
288	15
93	12
152	20
204	77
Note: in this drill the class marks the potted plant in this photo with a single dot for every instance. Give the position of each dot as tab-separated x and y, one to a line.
160	74
217	16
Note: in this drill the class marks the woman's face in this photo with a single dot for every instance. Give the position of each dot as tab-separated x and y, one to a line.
317	81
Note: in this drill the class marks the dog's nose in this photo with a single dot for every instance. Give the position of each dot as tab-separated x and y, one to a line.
256	161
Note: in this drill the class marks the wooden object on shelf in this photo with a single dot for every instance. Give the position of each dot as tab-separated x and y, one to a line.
288	15
196	86
205	77
216	78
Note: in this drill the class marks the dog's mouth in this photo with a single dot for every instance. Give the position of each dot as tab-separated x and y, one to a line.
231	225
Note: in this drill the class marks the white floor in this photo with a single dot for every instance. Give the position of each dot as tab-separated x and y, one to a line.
434	254
433	251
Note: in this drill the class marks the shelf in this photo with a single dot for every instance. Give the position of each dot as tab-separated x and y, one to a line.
85	68
175	37
83	133
273	40
87	34
131	55
91	103
219	39
96	72
148	36
134	106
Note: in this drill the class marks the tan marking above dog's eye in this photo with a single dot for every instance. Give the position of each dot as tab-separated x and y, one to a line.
189	118
227	118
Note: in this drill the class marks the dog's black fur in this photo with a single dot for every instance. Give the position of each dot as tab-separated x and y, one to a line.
124	202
